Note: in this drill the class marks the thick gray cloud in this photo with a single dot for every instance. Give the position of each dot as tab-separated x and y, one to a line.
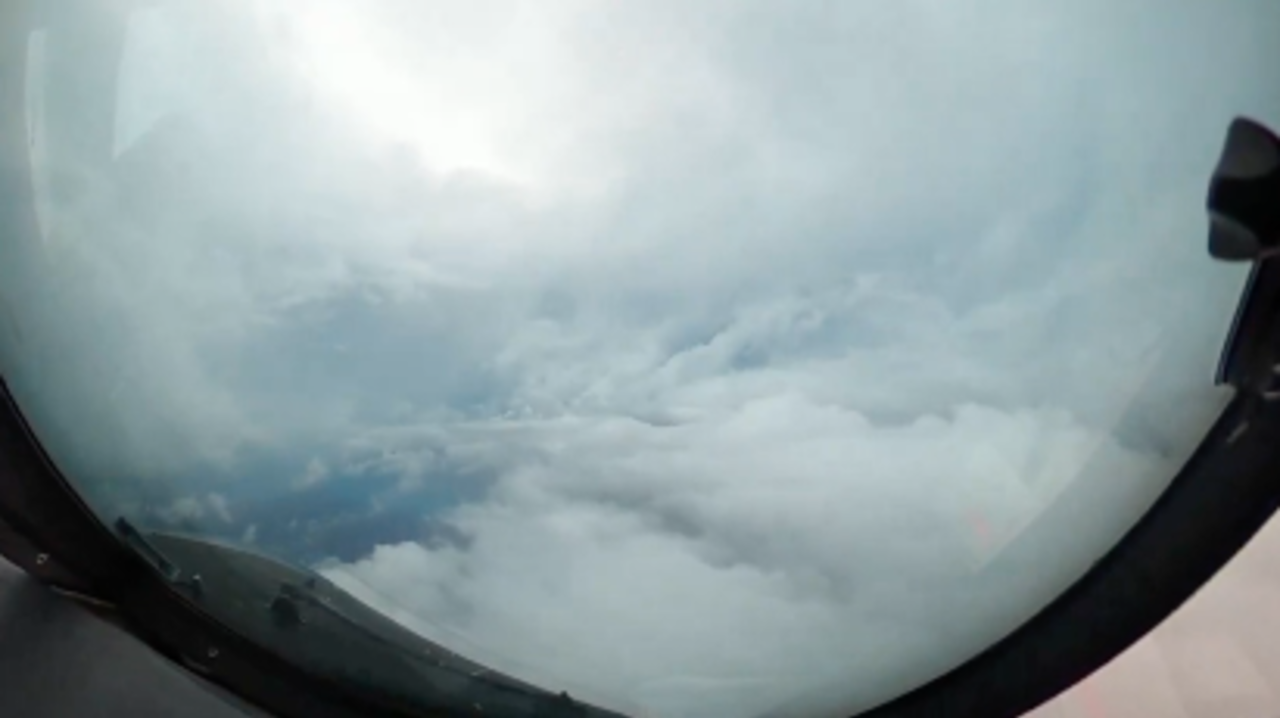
726	350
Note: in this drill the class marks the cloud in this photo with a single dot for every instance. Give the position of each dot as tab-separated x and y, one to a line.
691	358
183	509
191	509
218	504
315	473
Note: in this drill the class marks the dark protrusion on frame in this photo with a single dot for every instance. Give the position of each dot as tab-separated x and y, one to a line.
1244	195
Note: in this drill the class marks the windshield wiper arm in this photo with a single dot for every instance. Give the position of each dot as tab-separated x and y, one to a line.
144	548
134	539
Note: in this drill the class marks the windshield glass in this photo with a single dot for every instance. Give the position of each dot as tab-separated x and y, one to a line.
691	358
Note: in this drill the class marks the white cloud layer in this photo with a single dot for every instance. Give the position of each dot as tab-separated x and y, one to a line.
770	346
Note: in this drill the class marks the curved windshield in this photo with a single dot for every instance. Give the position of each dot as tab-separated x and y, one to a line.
666	358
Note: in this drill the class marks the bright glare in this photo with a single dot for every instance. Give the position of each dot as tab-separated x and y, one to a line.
452	129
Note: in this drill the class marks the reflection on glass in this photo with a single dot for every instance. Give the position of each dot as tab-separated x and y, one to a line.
689	359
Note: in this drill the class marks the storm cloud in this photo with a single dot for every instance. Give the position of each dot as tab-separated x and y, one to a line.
693	357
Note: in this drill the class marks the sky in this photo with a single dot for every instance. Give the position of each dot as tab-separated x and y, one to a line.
698	358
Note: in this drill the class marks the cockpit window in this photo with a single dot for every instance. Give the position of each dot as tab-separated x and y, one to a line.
682	359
